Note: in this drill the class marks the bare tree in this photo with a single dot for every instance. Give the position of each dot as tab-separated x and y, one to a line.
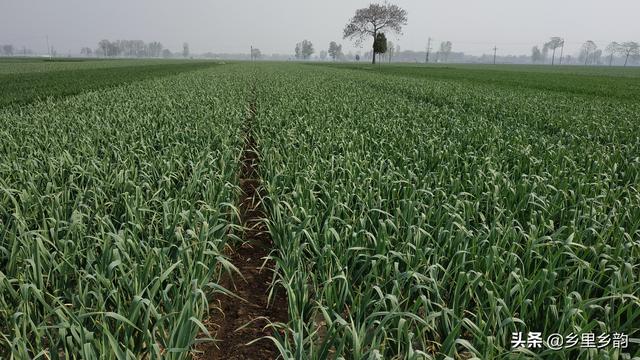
536	54
255	53
368	22
298	50
612	49
86	51
588	48
185	50
596	57
445	49
7	49
390	50
104	46
154	49
554	43
629	48
304	49
335	50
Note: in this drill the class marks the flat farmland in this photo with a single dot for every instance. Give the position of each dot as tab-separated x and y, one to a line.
316	210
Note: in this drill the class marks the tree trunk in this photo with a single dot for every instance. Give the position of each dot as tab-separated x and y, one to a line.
610	59
626	59
553	57
373	47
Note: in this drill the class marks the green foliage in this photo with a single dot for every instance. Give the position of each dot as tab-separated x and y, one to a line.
114	211
430	218
613	83
25	82
416	212
380	44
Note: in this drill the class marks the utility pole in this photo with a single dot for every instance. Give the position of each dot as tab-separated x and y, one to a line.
561	51
428	50
495	50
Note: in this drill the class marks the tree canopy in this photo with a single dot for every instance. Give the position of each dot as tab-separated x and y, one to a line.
335	50
304	49
377	18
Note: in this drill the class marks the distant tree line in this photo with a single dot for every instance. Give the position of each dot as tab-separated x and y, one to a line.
590	53
10	50
126	48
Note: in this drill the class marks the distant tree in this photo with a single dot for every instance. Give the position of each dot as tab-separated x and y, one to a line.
104	45
612	49
298	50
536	55
166	53
596	58
390	50
304	49
307	49
323	55
380	44
114	49
335	50
154	49
377	18
629	48
445	49
86	51
357	57
545	54
7	50
137	48
185	50
256	53
588	48
554	43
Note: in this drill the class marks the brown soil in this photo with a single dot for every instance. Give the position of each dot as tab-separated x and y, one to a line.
244	321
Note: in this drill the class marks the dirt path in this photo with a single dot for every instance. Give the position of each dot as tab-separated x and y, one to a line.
238	325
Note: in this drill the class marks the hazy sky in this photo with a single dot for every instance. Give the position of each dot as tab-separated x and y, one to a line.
274	26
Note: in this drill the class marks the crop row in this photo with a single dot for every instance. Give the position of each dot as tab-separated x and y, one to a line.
423	218
115	206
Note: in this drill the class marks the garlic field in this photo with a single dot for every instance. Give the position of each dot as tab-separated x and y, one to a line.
413	216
